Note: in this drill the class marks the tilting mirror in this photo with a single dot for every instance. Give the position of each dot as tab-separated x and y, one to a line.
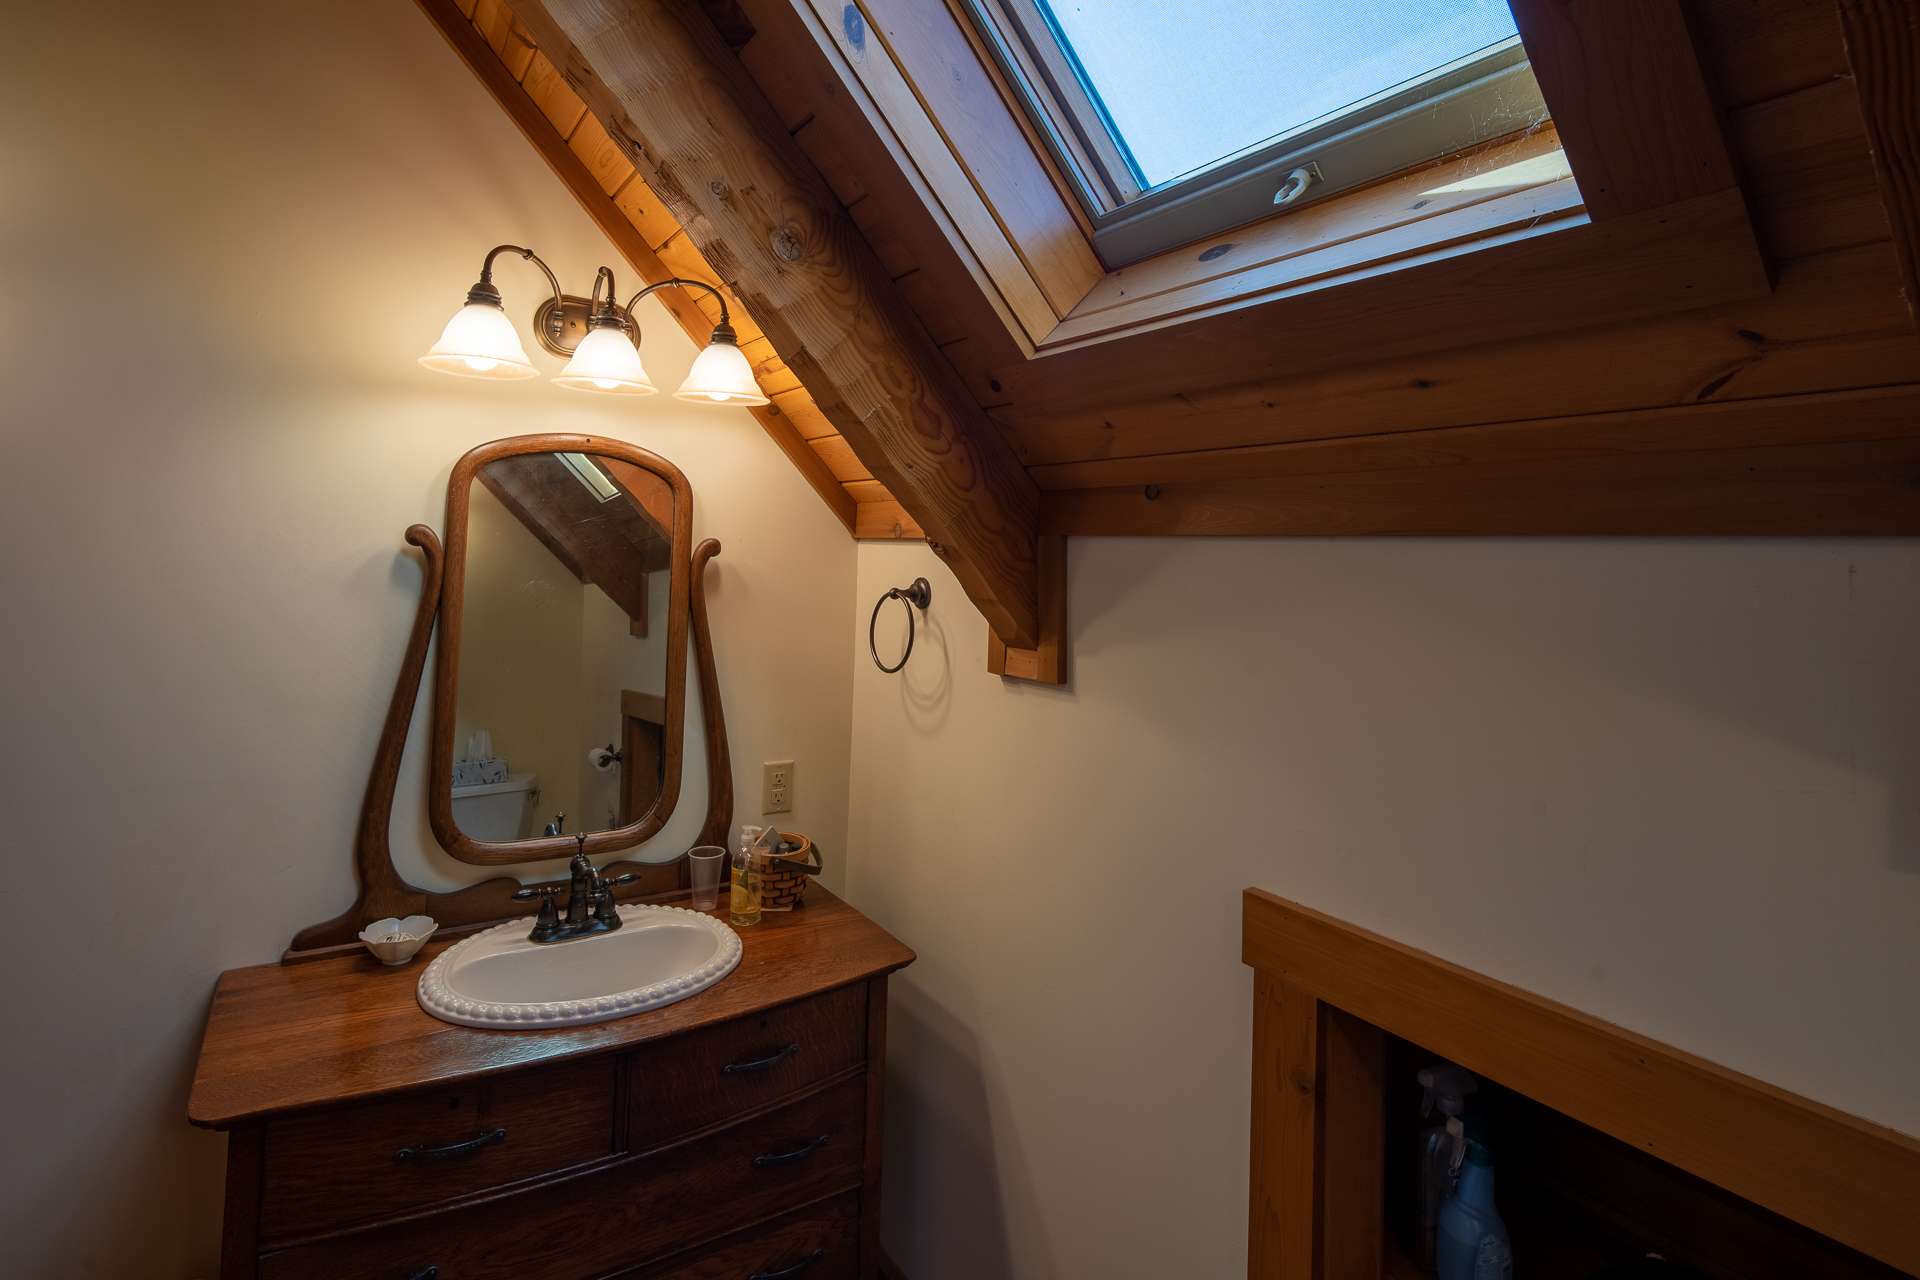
562	656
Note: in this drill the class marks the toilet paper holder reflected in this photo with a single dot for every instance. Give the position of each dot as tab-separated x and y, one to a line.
601	759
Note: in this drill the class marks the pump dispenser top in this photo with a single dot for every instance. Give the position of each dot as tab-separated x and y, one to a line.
1447	1088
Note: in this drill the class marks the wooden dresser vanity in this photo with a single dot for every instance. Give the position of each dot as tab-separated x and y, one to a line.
733	1134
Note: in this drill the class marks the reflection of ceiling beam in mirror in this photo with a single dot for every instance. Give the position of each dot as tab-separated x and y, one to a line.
612	545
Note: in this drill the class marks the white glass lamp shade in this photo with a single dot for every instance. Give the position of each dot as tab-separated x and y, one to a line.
606	362
721	375
480	342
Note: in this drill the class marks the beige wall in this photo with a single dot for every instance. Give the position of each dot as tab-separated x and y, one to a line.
245	221
1676	784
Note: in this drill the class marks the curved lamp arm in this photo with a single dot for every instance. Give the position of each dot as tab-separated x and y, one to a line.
484	290
722	332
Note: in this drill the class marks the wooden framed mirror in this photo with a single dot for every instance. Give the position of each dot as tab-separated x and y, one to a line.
650	734
560	679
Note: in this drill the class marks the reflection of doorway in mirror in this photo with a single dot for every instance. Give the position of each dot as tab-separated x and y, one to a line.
547	654
614	664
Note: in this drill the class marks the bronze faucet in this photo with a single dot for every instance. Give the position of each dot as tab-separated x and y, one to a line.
590	905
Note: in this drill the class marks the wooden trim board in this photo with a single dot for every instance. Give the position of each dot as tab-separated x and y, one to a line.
1840	464
1046	662
1851	1180
1568	272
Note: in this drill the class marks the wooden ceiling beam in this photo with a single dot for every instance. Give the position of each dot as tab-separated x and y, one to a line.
1835	464
1883	48
676	99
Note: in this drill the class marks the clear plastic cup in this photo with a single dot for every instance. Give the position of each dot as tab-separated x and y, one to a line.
707	863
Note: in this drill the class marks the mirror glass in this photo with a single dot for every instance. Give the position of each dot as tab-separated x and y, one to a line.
559	714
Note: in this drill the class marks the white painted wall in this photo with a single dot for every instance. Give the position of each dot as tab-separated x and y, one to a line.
1676	784
244	221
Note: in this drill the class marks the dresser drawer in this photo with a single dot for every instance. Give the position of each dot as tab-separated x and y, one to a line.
821	1243
647	1208
682	1085
330	1169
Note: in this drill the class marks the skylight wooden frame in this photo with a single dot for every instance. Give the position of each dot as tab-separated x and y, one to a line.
1106	173
1629	100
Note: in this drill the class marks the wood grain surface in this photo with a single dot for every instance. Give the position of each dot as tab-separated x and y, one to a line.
285	1037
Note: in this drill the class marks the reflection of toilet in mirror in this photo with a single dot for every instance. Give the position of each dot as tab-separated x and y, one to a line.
495	810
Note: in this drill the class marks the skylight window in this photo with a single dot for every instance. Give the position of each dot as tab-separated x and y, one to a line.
1177	120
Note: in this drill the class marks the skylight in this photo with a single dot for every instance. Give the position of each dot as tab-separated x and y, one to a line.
1186	86
1149	103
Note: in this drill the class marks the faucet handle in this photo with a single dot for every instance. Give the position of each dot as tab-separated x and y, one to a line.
547	924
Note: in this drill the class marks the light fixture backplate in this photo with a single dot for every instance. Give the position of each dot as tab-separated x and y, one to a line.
560	339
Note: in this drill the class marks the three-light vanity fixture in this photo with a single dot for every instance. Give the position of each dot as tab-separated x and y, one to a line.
599	336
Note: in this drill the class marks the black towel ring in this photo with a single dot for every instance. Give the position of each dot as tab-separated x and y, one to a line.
919	595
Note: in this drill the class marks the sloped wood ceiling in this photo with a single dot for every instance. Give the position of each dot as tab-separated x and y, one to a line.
502	53
1796	412
1665	418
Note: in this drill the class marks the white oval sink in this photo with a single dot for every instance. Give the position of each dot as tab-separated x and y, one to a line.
497	978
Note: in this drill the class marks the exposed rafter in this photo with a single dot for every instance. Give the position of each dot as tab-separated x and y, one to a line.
672	94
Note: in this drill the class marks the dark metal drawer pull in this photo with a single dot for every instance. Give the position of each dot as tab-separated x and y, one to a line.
453	1150
800	1152
793	1270
760	1064
425	1273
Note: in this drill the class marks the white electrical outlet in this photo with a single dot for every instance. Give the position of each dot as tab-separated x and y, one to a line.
776	786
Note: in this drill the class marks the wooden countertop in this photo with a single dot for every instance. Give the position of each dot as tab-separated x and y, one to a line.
284	1037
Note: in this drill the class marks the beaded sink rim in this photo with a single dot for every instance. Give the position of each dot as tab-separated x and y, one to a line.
438	999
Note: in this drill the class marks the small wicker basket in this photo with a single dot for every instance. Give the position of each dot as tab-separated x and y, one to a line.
783	876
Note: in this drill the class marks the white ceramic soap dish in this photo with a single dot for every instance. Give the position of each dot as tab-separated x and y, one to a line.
395	941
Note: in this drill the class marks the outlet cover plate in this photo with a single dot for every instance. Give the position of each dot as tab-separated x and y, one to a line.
776	786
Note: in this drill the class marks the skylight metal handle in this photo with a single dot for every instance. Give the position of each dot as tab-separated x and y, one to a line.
1295	186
